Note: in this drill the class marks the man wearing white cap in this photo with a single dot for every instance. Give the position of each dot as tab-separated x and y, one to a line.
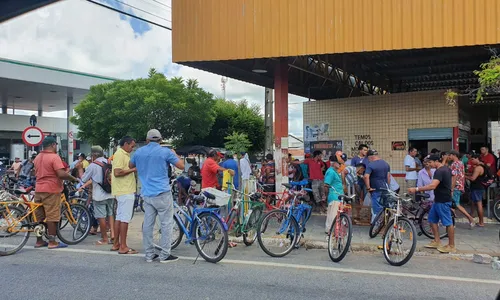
152	163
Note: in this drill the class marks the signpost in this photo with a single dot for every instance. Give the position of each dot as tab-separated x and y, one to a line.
33	136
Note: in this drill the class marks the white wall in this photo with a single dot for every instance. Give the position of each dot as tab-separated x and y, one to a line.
19	123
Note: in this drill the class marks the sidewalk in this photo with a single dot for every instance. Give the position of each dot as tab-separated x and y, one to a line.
476	241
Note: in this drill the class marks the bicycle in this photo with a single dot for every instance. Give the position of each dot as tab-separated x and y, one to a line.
14	221
244	224
272	200
496	210
200	227
396	226
291	224
338	233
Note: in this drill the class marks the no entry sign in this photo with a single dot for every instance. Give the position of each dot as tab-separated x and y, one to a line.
33	136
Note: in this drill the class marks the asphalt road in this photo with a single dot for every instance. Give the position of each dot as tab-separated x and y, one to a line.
88	272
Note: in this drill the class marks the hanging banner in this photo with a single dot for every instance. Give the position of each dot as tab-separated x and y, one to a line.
316	132
328	148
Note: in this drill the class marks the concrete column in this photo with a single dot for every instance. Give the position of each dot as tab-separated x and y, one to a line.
40	107
268	119
4	102
281	122
69	129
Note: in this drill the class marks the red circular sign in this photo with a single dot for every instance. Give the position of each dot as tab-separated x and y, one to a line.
33	136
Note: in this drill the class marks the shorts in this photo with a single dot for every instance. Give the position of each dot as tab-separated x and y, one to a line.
51	209
456	197
440	212
125	207
103	209
476	195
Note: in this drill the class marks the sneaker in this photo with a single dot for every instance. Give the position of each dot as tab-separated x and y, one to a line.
433	245
447	249
171	258
155	256
471	225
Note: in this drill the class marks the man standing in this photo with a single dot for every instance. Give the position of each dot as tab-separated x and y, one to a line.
458	183
16	166
441	209
152	163
411	168
123	187
316	176
361	158
50	174
377	179
102	200
488	159
333	187
210	169
246	171
425	177
231	164
27	166
477	189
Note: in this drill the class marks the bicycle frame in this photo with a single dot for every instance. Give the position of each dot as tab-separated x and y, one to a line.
239	208
189	232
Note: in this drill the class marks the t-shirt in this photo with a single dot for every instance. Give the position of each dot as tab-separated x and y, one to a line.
27	167
410	162
457	169
334	180
305	170
490	159
359	160
393	185
94	172
209	174
232	165
271	177
442	193
124	185
16	166
315	172
85	163
351	177
378	171
46	164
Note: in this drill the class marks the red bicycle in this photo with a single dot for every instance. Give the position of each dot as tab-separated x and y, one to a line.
340	234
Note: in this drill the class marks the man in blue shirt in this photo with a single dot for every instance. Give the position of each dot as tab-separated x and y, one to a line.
232	164
377	179
152	162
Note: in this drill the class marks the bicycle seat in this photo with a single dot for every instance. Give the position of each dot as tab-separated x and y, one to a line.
423	195
198	199
255	196
307	190
22	191
209	196
287	185
299	183
346	198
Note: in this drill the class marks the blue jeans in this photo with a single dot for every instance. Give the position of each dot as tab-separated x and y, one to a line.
378	202
163	207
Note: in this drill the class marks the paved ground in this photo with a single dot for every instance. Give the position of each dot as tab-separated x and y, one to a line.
86	271
478	240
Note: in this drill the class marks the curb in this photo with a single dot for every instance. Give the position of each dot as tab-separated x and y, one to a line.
370	248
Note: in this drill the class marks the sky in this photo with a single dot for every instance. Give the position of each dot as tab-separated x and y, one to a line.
79	35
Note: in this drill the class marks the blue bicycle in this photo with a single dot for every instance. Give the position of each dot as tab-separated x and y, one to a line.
281	230
202	225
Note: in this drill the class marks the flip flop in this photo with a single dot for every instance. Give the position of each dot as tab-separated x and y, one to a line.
101	243
45	244
60	245
130	251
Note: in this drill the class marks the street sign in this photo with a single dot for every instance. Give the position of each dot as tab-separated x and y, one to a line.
70	134
33	136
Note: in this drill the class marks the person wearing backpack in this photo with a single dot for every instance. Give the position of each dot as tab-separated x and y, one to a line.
480	180
101	193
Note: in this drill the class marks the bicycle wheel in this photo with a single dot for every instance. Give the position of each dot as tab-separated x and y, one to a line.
209	232
11	239
377	224
250	229
141	203
79	221
339	238
277	233
425	226
496	210
399	241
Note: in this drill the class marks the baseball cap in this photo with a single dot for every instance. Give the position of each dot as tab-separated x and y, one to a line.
433	157
96	149
308	155
153	135
372	152
81	155
49	140
220	155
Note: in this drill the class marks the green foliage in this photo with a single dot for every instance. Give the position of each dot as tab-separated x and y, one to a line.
489	77
237	142
236	117
111	111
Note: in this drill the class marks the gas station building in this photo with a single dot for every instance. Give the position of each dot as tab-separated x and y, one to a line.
40	89
375	72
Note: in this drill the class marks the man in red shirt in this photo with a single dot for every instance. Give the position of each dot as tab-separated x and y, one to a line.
316	166
488	159
50	173
210	169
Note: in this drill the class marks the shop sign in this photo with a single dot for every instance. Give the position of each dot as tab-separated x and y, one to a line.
398	146
361	139
315	132
328	148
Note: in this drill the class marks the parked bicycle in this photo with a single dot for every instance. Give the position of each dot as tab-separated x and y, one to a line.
291	224
396	226
340	233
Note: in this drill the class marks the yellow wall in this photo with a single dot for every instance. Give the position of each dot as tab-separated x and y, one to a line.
238	29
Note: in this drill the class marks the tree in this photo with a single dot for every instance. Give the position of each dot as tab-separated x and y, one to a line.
236	117
237	142
113	110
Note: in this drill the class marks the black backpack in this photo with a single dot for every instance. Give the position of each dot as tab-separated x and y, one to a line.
487	178
106	175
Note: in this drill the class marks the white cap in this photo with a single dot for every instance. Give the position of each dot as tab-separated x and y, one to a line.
153	135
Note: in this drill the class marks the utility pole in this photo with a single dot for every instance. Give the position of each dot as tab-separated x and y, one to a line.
268	120
223	82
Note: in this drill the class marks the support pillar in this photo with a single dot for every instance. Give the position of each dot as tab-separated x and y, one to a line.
268	119
69	129
281	122
4	103
455	141
40	107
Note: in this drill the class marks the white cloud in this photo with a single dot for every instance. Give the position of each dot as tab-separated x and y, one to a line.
79	35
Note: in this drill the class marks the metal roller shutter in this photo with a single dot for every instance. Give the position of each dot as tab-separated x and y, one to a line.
425	134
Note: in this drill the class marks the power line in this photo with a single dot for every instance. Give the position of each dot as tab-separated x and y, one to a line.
144	11
130	15
151	3
161	3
